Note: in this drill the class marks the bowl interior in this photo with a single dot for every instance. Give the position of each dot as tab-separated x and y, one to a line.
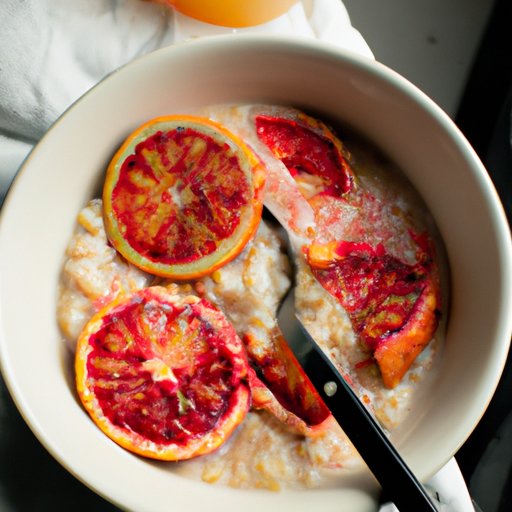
66	168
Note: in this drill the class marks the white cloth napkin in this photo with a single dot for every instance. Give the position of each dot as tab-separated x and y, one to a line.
53	51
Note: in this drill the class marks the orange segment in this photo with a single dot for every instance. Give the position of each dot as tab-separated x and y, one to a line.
401	348
281	386
393	306
182	197
164	377
310	151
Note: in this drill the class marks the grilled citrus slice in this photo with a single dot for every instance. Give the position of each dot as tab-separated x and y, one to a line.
280	385
393	306
182	196
310	151
163	376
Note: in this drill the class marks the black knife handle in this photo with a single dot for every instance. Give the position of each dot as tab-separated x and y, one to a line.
381	457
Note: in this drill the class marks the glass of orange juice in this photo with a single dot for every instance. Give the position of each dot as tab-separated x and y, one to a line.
233	13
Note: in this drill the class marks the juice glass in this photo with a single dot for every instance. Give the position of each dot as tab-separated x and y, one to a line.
233	13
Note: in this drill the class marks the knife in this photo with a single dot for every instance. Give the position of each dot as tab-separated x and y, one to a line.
398	482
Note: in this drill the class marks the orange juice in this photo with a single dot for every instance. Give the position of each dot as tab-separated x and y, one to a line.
233	13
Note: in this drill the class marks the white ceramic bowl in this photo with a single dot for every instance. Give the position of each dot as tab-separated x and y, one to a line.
66	169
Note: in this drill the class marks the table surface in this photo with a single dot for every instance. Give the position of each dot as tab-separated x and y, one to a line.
430	42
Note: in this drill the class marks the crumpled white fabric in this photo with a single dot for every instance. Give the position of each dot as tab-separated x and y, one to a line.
53	51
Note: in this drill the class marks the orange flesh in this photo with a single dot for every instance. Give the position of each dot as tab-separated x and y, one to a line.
179	196
163	370
303	150
393	306
401	348
277	368
377	290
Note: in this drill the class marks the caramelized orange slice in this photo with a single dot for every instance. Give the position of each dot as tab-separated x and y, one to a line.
393	306
280	385
182	197
164	377
310	151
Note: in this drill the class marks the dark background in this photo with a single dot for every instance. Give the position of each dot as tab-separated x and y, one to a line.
484	116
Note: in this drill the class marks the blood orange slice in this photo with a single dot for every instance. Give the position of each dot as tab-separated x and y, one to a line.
163	376
393	306
280	385
310	151
182	196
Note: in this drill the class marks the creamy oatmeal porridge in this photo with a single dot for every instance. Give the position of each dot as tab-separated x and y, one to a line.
273	446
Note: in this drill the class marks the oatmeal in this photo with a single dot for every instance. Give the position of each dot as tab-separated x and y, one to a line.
263	453
288	438
93	273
